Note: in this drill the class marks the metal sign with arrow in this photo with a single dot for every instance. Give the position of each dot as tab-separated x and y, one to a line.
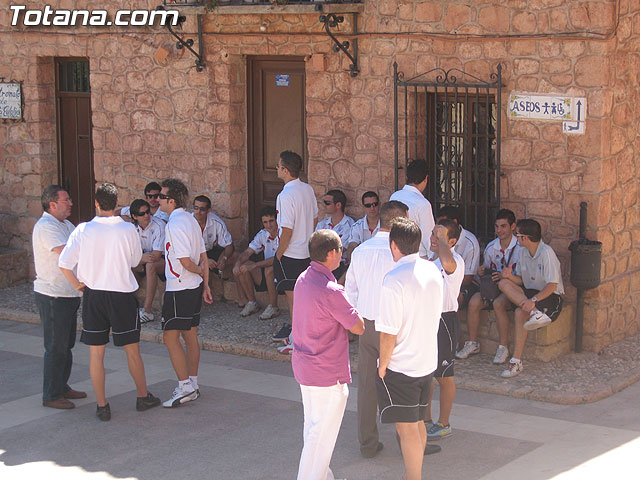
579	114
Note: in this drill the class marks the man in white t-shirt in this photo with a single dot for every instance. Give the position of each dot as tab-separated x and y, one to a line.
297	210
187	272
451	266
255	273
410	310
535	288
57	301
151	194
104	251
412	195
366	227
335	202
151	231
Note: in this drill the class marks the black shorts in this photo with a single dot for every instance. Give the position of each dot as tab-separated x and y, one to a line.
215	252
402	399
552	305
262	286
467	291
448	332
287	270
103	311
181	309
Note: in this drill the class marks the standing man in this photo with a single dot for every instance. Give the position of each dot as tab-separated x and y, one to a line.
297	217
367	226
104	251
370	262
410	310
151	194
56	299
321	353
412	195
187	272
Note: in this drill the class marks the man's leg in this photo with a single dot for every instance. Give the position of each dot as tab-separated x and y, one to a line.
413	440
96	369
176	353
136	368
368	353
500	306
193	350
289	295
71	306
473	315
152	270
271	286
520	334
447	395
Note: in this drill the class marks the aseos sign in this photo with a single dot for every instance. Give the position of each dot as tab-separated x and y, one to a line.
10	101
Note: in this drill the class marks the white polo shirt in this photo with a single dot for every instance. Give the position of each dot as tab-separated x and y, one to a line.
496	258
264	242
360	231
469	249
410	308
370	262
160	215
342	228
420	211
152	237
49	233
541	269
452	281
297	209
215	232
182	239
105	250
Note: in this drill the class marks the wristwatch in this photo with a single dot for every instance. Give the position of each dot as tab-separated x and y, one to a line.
534	299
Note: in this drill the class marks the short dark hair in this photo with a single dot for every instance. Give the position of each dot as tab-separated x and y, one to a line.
370	194
416	171
292	162
530	228
406	234
453	229
107	196
134	209
177	191
152	186
268	211
338	196
450	212
506	214
390	210
50	194
321	243
203	199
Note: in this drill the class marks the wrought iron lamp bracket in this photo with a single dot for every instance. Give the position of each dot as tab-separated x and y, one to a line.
188	43
331	20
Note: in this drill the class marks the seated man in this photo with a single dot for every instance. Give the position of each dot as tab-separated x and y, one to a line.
335	202
151	194
469	249
499	254
367	226
535	287
251	272
217	239
151	231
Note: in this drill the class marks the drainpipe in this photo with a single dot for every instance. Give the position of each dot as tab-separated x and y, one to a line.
580	293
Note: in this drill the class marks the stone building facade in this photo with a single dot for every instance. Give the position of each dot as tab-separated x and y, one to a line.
155	117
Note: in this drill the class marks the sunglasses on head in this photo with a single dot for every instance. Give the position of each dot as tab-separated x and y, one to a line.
142	214
372	204
152	195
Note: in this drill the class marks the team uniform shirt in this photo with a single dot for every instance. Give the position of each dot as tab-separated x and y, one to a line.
320	340
420	211
182	239
469	249
297	210
48	233
370	262
160	215
541	269
105	250
496	258
264	242
360	231
152	237
410	308
452	281
215	232
342	228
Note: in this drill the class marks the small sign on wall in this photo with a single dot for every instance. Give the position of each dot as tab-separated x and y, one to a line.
11	100
282	80
539	107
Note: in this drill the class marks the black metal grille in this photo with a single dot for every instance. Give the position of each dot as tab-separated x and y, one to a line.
455	127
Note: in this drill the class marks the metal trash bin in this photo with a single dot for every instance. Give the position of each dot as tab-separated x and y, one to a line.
586	260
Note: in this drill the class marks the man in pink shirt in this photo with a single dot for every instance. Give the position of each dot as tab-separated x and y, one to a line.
321	352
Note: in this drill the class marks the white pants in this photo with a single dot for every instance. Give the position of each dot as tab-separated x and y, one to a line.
323	412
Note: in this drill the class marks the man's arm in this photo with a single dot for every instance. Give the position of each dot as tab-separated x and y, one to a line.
204	272
151	257
72	279
358	328
225	255
285	239
444	252
387	344
507	274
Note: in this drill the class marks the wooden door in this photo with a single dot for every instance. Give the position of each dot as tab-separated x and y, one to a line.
75	151
275	122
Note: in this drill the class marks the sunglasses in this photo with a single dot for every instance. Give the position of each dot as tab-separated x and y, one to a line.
370	205
521	235
142	214
162	196
341	248
327	202
202	209
152	195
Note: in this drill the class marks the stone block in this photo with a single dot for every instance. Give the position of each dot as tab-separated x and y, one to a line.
456	16
494	18
428	12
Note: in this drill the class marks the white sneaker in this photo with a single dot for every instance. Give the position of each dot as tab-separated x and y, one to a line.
501	355
269	312
249	309
469	348
181	395
537	320
515	369
145	316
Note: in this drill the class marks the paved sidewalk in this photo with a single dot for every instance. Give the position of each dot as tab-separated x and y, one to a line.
572	379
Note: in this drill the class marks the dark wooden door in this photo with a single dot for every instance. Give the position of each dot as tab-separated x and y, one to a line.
276	122
75	151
